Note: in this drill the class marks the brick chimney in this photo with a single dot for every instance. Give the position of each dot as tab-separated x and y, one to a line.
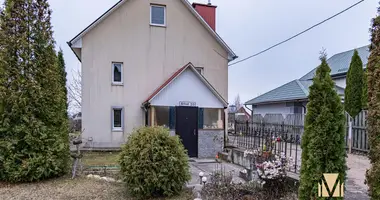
208	13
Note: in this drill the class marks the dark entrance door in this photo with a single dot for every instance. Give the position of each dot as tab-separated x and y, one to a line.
187	128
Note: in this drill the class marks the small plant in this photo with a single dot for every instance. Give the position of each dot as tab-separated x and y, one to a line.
153	163
222	187
269	166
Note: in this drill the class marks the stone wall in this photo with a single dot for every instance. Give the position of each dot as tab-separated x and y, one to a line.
210	142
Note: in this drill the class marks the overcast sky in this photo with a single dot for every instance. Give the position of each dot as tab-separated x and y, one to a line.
249	26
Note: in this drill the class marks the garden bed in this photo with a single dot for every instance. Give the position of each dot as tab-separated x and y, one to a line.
65	188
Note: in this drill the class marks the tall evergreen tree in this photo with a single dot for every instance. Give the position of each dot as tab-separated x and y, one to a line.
353	94
373	72
62	72
323	144
33	126
365	91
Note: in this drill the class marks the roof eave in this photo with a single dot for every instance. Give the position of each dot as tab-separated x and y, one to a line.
231	54
70	45
276	101
177	74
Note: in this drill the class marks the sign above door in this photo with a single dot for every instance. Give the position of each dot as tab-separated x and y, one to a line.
188	103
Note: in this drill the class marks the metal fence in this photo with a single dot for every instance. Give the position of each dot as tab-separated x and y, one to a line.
273	133
287	134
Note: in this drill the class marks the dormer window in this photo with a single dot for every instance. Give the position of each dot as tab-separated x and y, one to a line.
157	15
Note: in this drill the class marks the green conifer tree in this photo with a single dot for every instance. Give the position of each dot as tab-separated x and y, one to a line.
353	94
323	144
33	126
365	91
62	72
373	72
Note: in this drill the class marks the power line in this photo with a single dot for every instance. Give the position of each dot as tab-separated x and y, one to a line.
298	34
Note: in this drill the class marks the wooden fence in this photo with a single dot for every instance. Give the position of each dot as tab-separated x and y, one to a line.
359	137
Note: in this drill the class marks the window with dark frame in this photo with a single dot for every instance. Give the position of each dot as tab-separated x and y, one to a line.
117	73
117	119
158	15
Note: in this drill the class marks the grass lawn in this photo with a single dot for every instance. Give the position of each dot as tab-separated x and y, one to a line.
100	158
65	188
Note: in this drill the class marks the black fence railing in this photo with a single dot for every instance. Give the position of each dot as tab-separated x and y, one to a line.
275	137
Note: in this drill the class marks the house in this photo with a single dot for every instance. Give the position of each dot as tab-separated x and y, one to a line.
237	114
154	62
292	97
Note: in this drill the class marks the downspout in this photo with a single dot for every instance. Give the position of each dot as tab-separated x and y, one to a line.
145	107
245	105
225	130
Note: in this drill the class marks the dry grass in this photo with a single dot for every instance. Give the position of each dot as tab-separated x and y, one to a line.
65	188
100	158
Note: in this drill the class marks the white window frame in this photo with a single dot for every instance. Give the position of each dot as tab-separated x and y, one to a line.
117	129
150	17
201	69
122	73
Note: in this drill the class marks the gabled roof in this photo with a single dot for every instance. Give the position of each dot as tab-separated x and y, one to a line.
231	55
339	63
177	74
299	89
292	91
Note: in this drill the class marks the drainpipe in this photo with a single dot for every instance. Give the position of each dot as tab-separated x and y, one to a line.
225	130
249	110
145	108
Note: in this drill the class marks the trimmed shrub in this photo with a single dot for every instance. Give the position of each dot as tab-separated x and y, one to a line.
323	143
353	94
153	163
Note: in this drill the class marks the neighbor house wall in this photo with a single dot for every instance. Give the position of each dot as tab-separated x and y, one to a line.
277	108
341	82
150	55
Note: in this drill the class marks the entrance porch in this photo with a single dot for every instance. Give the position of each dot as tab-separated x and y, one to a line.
192	109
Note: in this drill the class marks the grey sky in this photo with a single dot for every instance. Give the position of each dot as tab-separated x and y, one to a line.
249	26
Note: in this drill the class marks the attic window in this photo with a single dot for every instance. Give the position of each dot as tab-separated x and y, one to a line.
157	15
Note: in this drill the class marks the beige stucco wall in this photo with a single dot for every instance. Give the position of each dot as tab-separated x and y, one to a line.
150	56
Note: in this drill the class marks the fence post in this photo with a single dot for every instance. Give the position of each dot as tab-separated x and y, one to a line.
235	126
350	135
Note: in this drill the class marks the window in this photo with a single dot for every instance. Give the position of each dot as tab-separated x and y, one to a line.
212	118
200	70
117	119
162	116
165	116
117	73
158	15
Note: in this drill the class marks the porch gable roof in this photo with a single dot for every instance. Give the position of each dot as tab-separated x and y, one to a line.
176	75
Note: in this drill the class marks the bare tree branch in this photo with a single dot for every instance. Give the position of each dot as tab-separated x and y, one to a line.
75	92
237	102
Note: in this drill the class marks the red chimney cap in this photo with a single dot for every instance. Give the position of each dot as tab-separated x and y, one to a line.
202	4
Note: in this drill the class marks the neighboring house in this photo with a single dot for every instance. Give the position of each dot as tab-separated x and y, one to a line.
237	114
154	62
293	96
